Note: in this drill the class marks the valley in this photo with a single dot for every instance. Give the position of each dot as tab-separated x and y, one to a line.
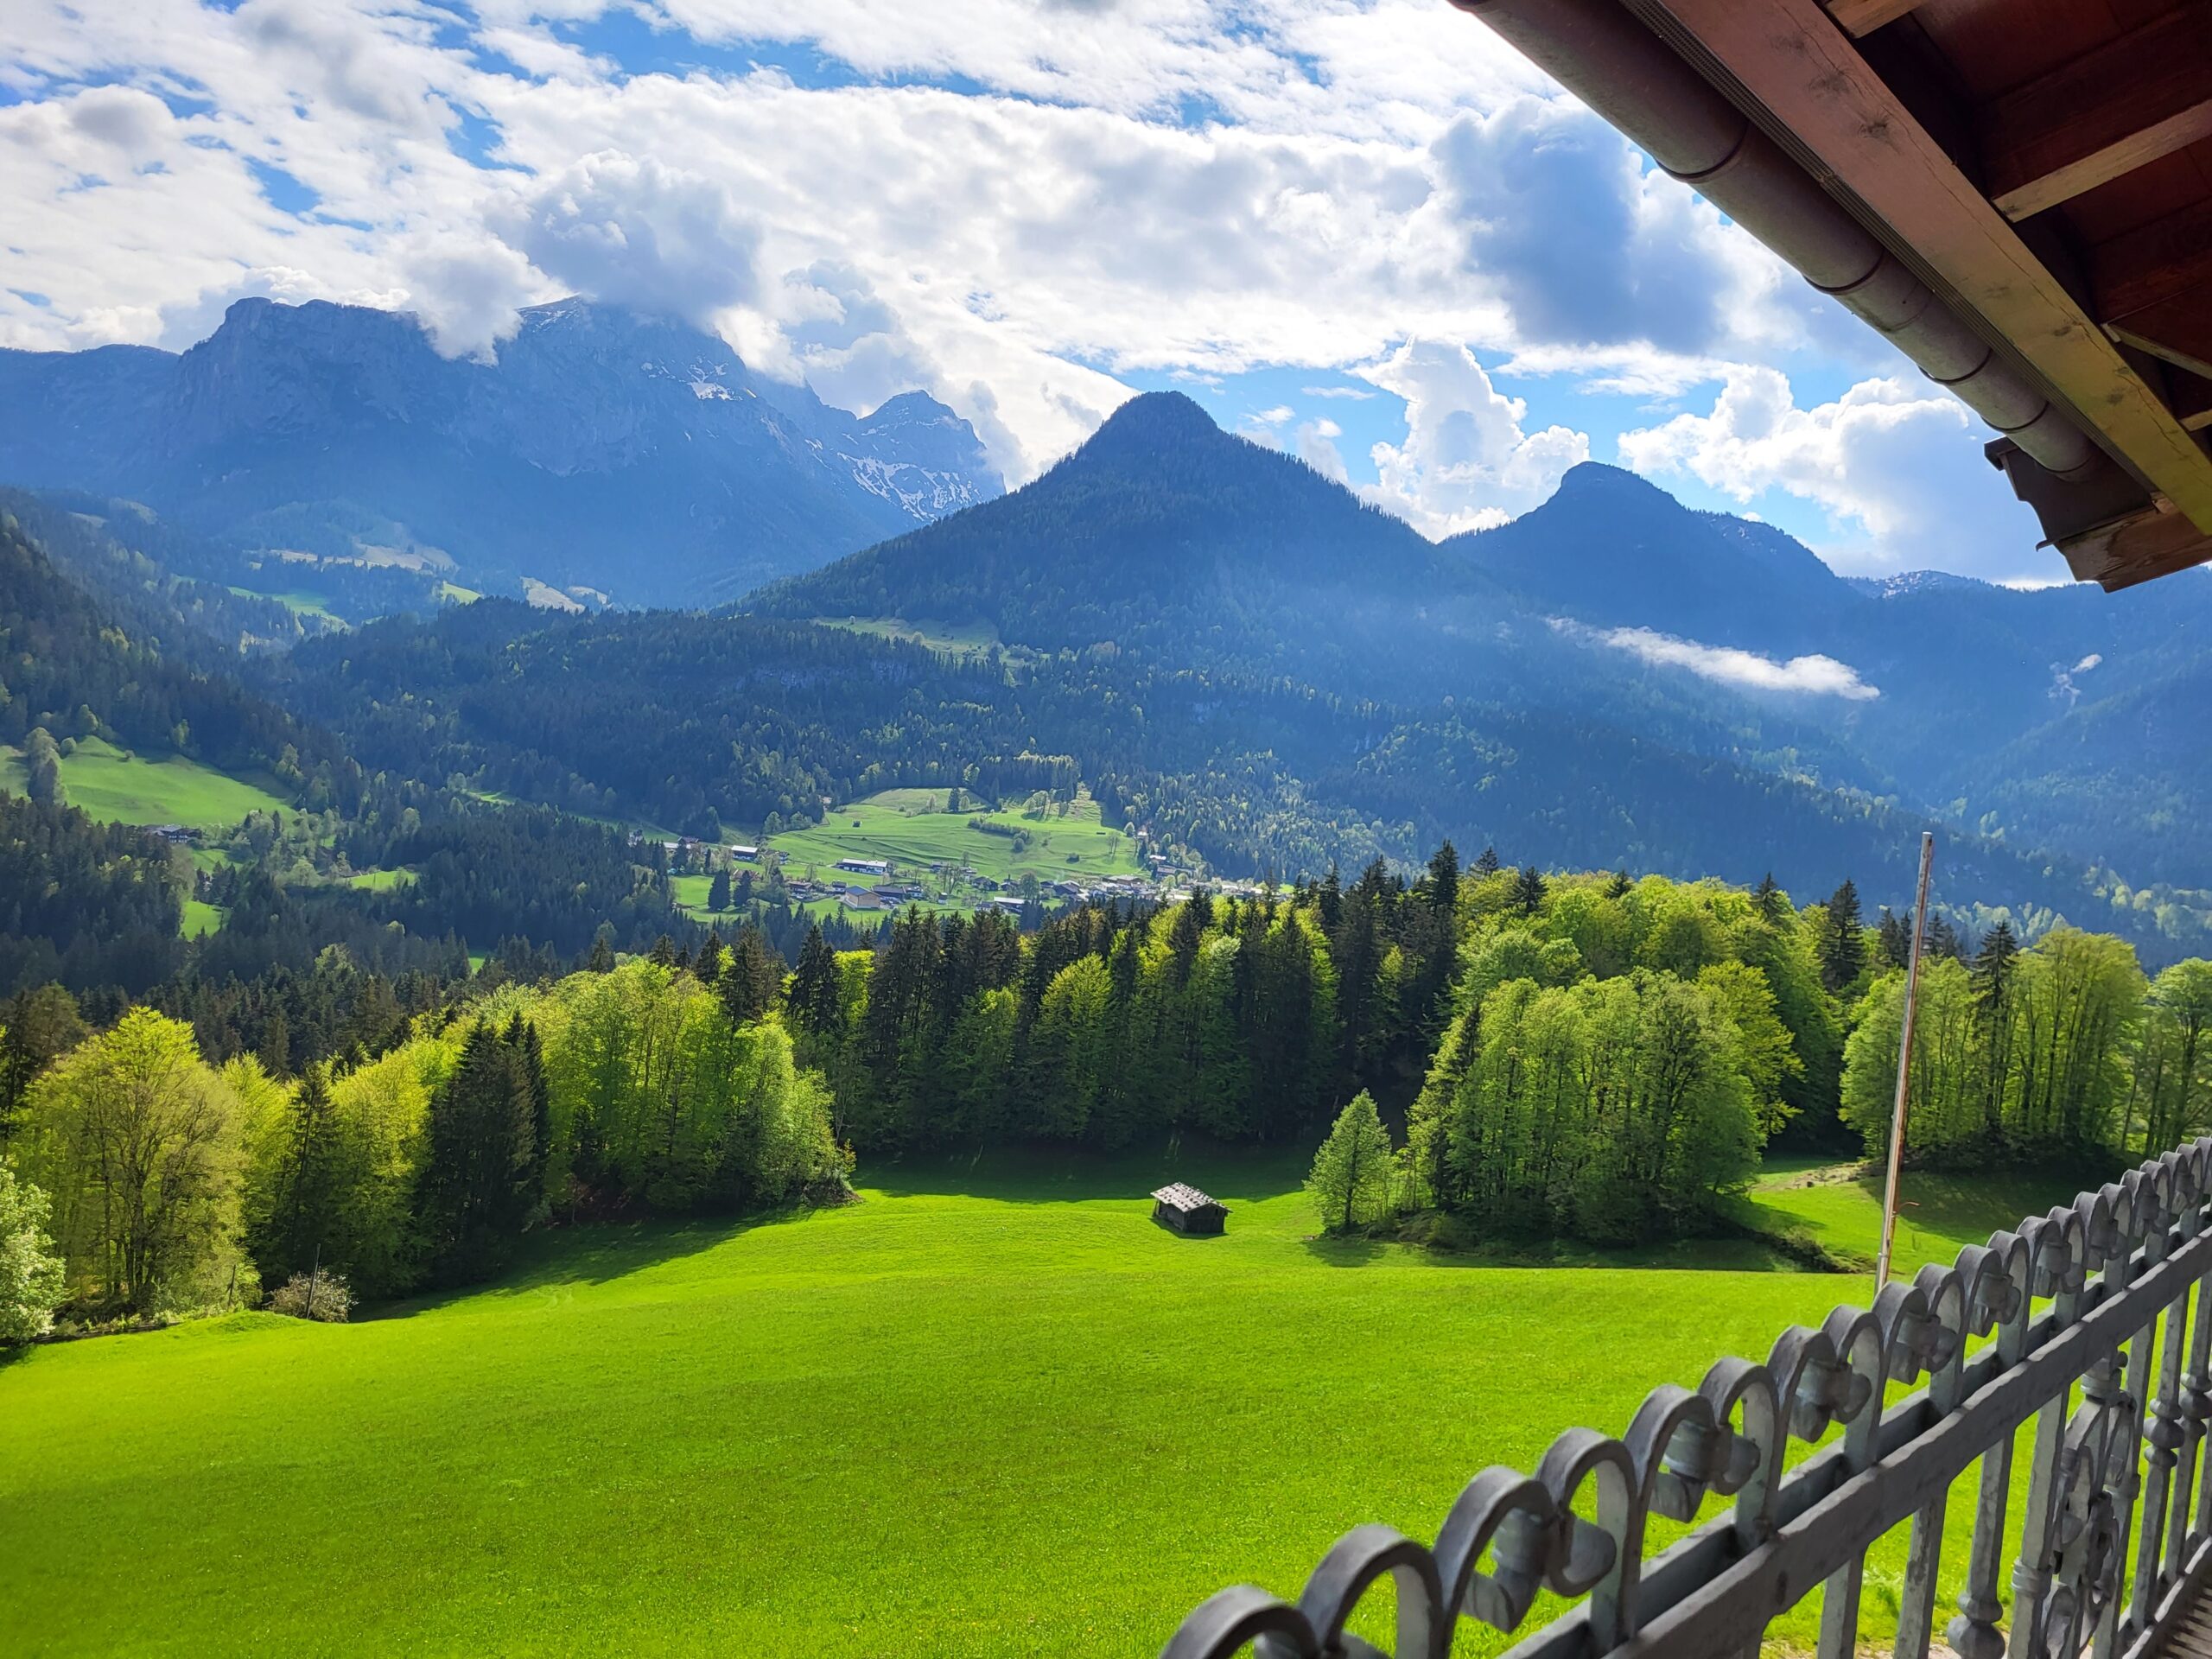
697	1433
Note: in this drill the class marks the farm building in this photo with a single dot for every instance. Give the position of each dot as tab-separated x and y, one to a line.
865	866
1183	1209
750	854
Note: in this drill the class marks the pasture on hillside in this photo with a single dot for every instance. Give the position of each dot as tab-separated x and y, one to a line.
912	829
127	787
989	1409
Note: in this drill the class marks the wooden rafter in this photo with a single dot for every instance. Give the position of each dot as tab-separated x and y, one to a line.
1807	77
1857	17
2107	112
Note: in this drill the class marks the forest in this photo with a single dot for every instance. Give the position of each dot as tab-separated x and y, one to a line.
1557	1055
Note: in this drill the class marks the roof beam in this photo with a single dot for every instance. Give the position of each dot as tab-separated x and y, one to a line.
1858	17
2163	260
1804	76
2107	112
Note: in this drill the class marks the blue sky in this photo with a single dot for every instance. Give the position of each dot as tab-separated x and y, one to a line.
1361	230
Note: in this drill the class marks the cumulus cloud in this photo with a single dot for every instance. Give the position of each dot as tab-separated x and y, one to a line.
1316	442
1890	463
1635	257
629	231
1018	206
1815	676
1466	462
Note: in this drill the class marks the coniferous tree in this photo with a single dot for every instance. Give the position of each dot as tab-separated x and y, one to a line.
476	1189
752	977
1529	890
1843	943
1488	862
291	1236
1768	896
1444	880
707	966
1619	885
718	891
1895	938
602	952
817	995
664	953
42	1024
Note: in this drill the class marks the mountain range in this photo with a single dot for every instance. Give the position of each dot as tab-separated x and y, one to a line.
1237	653
602	453
2051	718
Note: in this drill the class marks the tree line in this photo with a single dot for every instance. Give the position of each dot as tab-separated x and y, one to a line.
169	1182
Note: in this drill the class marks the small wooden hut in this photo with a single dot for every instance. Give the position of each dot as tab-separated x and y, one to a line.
1183	1209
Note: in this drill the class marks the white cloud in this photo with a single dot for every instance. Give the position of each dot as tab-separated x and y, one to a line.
1193	188
1815	676
627	230
1316	447
1891	463
1466	463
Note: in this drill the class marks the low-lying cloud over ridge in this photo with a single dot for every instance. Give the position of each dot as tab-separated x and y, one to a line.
1814	676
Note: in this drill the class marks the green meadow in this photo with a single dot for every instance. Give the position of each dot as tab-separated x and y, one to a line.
911	828
990	1408
953	638
127	787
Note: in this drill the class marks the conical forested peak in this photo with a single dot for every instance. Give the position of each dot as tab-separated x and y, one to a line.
1595	483
1152	421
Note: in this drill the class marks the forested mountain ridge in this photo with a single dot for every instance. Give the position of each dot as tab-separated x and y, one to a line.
1161	515
74	669
629	454
1609	606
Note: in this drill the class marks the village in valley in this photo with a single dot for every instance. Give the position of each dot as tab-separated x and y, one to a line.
940	849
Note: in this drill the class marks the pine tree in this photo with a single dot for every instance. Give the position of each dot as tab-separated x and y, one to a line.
1896	938
602	953
290	1237
476	1188
708	968
1488	864
1769	898
718	891
522	1038
1444	880
1843	942
1618	887
1994	966
817	995
1529	890
750	979
1350	1178
664	953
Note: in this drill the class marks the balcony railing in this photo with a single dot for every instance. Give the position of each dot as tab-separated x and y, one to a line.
2090	1309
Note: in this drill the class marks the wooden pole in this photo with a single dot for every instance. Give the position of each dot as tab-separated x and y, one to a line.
1904	1061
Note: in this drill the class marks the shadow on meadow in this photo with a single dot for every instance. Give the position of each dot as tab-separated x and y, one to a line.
1065	1174
586	1253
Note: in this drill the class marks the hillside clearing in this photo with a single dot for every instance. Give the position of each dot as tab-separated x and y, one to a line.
127	787
936	1420
911	828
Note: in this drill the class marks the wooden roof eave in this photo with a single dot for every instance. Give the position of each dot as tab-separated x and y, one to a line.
1793	70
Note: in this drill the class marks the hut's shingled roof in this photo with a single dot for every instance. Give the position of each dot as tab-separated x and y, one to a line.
1180	1195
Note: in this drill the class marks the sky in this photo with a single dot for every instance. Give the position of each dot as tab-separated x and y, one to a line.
1363	230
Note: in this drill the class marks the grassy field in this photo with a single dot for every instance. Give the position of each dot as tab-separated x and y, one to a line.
955	638
201	918
380	880
129	788
304	604
989	1409
911	828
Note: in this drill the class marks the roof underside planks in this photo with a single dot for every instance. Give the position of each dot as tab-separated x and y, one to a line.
2046	166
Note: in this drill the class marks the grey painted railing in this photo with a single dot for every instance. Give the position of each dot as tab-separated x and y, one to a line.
2117	1521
